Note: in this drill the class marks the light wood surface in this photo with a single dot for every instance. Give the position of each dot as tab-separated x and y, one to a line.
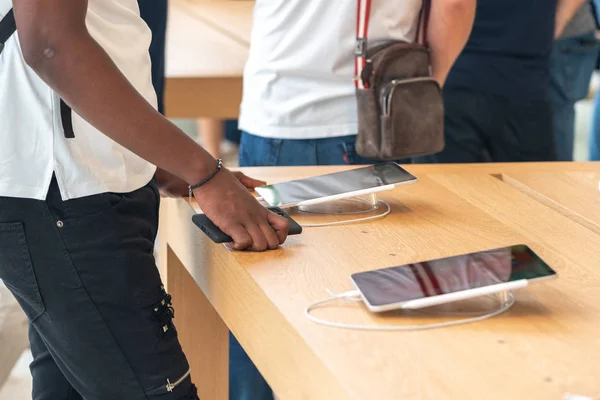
233	18
207	48
210	372
203	98
577	194
279	174
541	349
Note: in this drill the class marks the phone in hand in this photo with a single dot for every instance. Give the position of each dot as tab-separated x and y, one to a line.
218	236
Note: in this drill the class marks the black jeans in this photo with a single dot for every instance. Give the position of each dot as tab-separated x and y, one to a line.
84	273
482	127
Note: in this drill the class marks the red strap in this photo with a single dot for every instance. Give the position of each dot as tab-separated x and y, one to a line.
426	12
363	12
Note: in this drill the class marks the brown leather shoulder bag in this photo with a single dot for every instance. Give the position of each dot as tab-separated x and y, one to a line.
400	106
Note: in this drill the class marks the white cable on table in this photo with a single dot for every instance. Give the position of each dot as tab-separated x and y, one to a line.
352	295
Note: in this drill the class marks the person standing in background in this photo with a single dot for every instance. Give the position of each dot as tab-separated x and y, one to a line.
299	104
573	60
496	97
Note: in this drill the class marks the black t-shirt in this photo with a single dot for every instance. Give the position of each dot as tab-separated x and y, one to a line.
508	52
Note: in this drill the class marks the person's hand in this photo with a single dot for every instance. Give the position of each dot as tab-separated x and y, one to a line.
249	183
170	185
232	208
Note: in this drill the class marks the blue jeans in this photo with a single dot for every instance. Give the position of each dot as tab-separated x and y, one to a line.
232	133
571	66
83	270
245	381
257	151
595	132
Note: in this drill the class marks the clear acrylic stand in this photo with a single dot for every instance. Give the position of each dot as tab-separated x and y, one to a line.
350	206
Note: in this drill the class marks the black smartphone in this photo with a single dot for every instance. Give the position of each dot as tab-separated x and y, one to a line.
218	236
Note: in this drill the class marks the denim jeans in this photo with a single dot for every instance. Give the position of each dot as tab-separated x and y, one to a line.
100	323
245	380
483	127
259	151
595	132
232	133
571	66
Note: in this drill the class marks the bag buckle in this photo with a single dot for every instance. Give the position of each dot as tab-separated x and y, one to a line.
360	49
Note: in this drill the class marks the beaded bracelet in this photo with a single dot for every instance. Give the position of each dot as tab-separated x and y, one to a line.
207	179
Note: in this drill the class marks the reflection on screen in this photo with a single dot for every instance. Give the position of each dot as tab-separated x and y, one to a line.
448	275
294	192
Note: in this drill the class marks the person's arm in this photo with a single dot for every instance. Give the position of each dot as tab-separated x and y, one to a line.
173	186
58	47
565	10
450	25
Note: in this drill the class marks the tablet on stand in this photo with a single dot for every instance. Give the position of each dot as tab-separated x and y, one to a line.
341	193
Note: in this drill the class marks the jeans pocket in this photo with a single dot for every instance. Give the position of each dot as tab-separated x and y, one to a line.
257	151
90	206
16	269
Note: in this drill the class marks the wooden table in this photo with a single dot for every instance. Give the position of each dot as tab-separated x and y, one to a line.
546	347
576	194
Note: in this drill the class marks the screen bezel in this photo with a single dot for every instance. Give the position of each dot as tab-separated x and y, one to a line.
263	190
397	305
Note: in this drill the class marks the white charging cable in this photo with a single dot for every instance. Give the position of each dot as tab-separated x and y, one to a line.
352	221
354	295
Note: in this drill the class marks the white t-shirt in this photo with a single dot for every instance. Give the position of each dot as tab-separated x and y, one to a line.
298	81
32	142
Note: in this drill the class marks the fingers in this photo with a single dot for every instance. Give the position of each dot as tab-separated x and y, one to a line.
259	241
267	235
242	240
249	183
280	225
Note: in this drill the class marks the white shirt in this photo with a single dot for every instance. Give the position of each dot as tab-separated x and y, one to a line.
298	81
32	142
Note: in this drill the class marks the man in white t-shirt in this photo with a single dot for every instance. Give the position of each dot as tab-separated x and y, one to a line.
299	105
79	142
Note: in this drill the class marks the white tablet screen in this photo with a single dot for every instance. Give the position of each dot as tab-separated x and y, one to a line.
293	192
453	274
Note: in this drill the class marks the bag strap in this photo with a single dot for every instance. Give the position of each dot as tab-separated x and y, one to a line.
424	19
360	51
8	26
363	13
